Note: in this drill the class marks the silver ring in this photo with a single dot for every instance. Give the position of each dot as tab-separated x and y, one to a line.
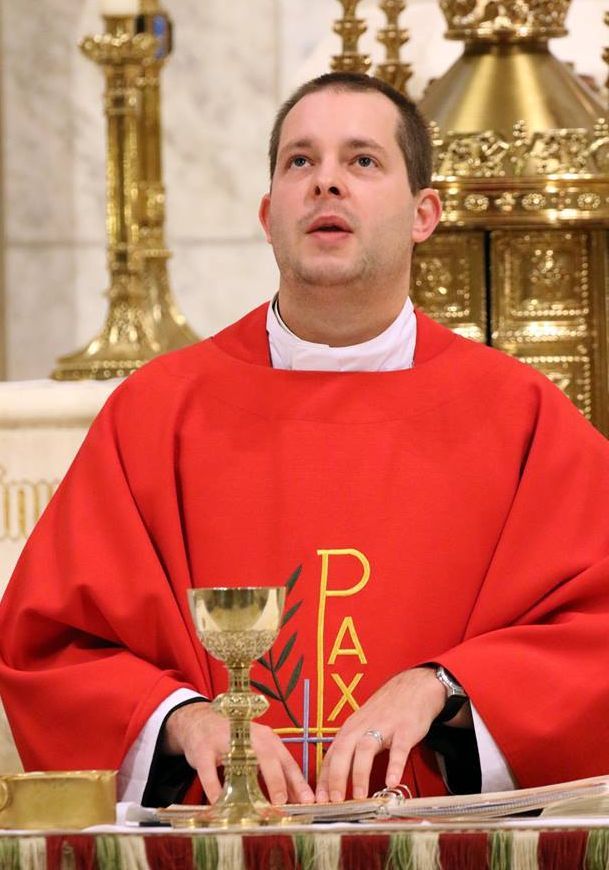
376	734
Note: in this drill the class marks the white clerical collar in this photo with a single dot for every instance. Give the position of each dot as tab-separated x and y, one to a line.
390	351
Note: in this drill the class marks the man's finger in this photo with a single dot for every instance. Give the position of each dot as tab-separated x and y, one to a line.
299	791
338	765
321	790
274	777
208	774
367	747
398	756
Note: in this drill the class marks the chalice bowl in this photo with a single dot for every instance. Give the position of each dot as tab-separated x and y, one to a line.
237	626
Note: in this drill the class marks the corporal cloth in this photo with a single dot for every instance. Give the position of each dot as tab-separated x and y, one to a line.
454	512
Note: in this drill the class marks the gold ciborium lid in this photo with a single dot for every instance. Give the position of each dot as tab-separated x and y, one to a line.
505	20
507	74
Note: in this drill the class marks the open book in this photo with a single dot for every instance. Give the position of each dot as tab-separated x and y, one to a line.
581	797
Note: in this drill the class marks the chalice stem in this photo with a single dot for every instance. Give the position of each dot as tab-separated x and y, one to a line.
240	765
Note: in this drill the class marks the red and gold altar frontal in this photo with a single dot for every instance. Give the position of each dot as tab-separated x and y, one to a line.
447	848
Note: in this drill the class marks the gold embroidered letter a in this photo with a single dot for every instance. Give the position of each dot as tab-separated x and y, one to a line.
354	650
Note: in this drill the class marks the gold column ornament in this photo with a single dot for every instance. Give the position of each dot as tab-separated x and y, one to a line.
521	160
350	29
606	51
168	325
392	70
142	318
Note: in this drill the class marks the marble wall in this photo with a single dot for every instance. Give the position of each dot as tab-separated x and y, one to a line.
233	63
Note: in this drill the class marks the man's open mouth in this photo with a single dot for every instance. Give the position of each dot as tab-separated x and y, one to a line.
329	224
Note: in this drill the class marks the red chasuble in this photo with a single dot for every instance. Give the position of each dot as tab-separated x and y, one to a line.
454	512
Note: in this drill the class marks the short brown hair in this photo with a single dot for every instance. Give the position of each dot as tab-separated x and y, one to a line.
412	132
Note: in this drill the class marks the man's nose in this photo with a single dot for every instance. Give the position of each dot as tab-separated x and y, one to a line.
327	182
322	188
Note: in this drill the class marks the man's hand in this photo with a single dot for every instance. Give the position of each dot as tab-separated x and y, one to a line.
202	736
402	710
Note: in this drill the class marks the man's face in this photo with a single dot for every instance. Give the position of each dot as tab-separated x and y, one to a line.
340	210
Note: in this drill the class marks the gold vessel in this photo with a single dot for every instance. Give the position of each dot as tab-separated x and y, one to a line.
506	73
58	799
237	626
143	319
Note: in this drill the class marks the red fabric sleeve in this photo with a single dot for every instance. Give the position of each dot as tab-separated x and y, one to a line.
535	658
92	631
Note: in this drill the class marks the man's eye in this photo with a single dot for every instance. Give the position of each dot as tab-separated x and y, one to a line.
298	161
365	161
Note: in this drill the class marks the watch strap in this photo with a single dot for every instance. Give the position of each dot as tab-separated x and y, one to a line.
456	695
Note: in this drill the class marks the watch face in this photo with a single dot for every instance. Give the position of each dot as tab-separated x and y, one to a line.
455	695
451	684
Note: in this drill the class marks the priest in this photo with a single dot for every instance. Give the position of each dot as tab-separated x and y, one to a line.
437	511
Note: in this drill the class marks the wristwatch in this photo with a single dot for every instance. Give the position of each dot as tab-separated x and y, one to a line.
455	693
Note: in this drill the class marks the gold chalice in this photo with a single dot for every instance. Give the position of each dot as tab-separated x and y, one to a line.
237	626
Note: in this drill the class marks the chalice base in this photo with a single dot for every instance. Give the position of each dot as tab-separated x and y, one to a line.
235	815
241	803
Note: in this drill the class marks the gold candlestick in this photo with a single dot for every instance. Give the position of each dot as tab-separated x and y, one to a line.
350	29
142	318
606	51
238	626
168	325
392	70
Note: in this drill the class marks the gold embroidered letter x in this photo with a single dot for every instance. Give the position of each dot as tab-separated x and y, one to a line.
347	694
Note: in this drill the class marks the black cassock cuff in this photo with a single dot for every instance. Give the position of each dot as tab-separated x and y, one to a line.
170	776
459	749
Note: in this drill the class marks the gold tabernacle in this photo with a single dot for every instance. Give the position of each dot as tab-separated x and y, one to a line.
521	160
237	626
58	799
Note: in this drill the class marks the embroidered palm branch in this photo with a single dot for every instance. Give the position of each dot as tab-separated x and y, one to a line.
274	666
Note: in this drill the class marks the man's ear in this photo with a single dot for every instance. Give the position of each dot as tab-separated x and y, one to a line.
263	215
427	214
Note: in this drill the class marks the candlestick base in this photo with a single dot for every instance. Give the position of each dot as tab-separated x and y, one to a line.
134	333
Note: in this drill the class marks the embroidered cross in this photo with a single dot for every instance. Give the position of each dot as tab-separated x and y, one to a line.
307	738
